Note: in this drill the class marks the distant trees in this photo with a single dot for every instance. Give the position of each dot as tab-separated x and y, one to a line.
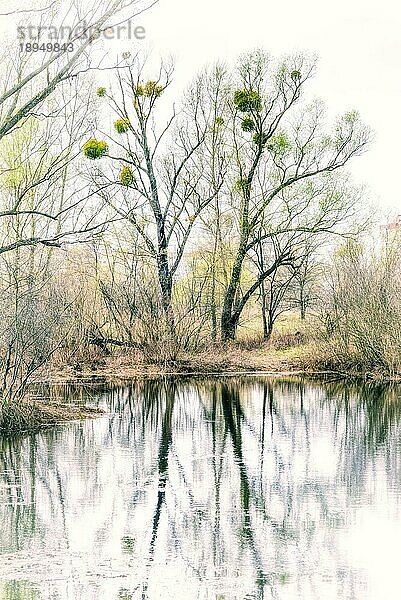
291	287
306	283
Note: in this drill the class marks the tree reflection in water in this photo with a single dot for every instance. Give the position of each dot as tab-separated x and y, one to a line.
210	488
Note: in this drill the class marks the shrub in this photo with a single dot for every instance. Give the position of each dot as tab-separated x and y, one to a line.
361	308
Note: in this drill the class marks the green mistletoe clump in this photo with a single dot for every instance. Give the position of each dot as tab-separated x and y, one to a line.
248	124
138	91
248	101
280	143
127	177
260	139
101	91
152	89
296	75
94	149
122	125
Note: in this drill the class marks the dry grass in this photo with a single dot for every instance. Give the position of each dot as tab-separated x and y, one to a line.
295	346
249	355
284	352
31	416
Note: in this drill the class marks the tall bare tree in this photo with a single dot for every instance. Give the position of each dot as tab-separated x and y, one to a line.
167	175
284	165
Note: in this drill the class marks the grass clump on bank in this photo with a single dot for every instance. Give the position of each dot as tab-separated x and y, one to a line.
31	416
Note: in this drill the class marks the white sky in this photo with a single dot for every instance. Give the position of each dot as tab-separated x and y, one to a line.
358	43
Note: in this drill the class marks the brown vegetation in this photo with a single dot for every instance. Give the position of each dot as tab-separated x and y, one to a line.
31	415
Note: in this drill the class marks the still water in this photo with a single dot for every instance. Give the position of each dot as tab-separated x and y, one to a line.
235	488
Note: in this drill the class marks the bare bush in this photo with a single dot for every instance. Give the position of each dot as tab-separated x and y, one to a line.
361	311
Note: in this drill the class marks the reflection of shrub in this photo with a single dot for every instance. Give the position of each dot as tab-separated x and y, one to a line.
127	177
122	125
101	91
94	149
248	124
248	101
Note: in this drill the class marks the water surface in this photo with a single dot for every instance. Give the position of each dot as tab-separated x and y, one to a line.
223	489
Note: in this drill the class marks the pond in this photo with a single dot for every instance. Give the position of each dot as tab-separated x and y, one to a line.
223	489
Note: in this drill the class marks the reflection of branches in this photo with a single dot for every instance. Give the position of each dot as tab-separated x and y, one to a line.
164	449
212	478
232	414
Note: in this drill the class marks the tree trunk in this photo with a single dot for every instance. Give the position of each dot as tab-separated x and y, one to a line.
228	327
229	318
213	318
264	308
213	310
164	281
302	304
163	267
230	314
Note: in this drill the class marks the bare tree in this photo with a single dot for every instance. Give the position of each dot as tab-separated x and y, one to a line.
284	178
28	101
26	83
167	175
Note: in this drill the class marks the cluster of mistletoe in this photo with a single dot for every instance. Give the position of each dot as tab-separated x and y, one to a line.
95	149
250	103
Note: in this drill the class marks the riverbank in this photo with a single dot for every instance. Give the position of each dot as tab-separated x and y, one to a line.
236	358
31	415
239	358
232	358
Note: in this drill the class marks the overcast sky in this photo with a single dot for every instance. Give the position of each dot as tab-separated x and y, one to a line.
358	43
